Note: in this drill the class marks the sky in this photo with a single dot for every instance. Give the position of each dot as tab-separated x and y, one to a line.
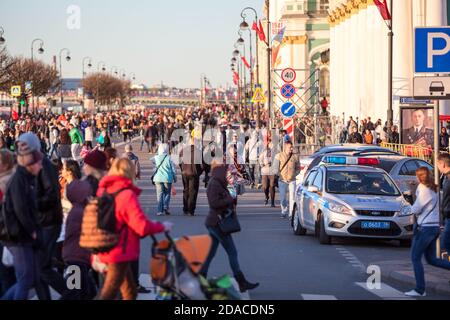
173	41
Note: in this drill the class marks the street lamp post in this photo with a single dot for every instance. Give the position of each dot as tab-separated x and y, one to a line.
60	70
89	65
269	67
236	54
2	40
244	26
40	51
103	68
241	42
390	115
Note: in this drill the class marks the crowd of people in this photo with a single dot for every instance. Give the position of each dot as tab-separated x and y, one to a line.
53	166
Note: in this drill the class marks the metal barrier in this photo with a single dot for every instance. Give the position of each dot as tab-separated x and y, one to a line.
415	151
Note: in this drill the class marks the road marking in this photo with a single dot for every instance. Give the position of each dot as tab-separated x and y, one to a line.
318	297
351	258
386	292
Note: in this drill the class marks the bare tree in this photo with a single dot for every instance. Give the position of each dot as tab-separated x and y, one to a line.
105	88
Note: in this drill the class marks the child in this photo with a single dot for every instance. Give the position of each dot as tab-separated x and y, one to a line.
133	158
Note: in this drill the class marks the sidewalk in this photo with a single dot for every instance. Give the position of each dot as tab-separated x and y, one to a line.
401	271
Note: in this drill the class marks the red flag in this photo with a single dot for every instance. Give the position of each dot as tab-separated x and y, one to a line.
246	62
255	28
262	35
15	115
383	8
235	78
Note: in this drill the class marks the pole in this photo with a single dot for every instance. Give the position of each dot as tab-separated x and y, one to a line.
244	70
437	177
251	71
390	115
269	68
258	106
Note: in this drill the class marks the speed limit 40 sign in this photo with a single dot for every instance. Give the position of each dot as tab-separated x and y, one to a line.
288	75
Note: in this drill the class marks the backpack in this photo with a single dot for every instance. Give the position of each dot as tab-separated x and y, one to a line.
98	229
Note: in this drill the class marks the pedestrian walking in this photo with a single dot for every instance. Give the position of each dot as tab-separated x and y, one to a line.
94	169
50	219
164	177
89	135
268	177
64	150
134	159
191	159
426	230
220	203
21	225
77	142
7	169
132	225
443	165
78	192
288	164
253	148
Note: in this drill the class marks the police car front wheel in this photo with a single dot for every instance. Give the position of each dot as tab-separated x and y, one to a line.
296	225
324	238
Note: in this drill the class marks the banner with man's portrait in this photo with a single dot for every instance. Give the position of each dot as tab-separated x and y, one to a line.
417	126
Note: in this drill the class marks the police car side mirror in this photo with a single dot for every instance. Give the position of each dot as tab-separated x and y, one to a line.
313	189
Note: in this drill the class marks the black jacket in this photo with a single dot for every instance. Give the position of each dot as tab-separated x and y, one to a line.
446	197
48	196
355	137
20	208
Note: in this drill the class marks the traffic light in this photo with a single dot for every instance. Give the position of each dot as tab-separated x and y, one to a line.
23	99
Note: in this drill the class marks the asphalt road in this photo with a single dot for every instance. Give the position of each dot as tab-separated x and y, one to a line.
287	266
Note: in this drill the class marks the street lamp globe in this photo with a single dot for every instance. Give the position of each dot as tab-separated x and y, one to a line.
236	53
240	41
103	69
233	60
68	58
41	50
89	65
244	26
2	40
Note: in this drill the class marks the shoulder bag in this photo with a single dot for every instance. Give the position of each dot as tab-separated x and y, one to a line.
157	169
229	223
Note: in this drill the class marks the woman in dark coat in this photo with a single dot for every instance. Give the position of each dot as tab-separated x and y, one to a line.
220	200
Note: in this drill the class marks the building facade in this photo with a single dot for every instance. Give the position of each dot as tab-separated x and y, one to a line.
359	54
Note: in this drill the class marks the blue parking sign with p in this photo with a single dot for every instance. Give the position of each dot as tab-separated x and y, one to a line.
432	50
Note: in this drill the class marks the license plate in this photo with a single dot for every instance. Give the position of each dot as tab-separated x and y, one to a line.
375	225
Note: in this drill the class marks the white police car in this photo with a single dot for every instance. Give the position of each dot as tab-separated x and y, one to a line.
343	198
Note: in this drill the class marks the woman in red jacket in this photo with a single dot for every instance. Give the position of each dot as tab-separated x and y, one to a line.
119	276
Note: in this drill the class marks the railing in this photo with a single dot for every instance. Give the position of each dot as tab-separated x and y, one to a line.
415	151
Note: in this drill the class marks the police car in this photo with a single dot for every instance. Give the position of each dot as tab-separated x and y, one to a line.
345	197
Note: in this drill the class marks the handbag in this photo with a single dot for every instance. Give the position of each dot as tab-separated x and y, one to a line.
229	223
156	172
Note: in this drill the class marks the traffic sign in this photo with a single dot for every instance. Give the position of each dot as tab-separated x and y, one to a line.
288	75
16	91
258	96
288	110
288	126
28	86
288	91
411	100
432	50
434	88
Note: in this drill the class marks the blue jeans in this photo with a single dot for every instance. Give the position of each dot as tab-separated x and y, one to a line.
163	192
424	244
26	265
445	237
287	197
7	277
226	240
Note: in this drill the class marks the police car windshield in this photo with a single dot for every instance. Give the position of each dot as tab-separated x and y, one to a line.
363	183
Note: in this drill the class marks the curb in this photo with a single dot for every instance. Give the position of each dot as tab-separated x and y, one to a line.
437	288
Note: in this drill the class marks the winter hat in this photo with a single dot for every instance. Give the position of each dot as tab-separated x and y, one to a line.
96	159
28	150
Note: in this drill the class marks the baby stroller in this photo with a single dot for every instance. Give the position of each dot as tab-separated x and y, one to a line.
175	267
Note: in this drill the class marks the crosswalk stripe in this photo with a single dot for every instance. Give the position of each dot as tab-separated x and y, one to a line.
386	292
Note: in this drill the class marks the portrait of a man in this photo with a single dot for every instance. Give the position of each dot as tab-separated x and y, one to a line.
416	130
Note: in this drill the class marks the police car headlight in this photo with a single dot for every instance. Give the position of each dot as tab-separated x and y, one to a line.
339	208
406	211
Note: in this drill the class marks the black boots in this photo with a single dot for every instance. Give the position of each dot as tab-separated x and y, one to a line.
244	285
